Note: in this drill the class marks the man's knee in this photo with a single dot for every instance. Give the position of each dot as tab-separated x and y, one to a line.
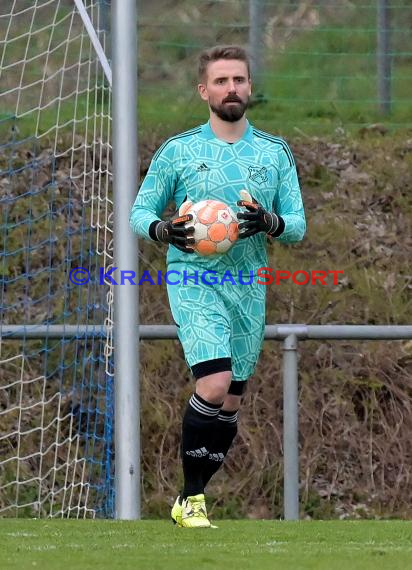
213	379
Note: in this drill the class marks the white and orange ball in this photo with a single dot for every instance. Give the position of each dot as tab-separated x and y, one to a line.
215	223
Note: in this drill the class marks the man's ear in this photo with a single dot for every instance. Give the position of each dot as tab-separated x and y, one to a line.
202	91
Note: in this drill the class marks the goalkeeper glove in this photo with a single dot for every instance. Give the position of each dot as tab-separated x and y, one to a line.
257	219
176	233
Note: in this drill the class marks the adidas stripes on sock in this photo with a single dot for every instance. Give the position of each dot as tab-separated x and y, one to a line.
197	434
224	434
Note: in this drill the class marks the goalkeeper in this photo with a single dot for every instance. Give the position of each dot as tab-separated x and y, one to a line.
220	327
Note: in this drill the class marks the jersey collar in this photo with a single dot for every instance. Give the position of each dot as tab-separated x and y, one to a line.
209	134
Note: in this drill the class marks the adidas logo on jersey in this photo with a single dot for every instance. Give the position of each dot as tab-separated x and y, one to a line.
202	167
198	452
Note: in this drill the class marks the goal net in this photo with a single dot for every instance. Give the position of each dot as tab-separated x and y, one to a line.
56	392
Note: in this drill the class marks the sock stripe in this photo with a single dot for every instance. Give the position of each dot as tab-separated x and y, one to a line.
202	408
229	419
200	400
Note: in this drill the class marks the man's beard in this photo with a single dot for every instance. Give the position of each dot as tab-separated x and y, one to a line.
230	113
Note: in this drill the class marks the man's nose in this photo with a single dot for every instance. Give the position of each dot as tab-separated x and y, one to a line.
232	87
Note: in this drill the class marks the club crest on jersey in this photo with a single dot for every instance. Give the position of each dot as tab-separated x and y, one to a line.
259	175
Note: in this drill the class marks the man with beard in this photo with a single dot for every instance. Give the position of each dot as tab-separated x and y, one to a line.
220	327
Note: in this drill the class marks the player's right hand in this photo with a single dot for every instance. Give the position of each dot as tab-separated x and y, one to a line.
176	233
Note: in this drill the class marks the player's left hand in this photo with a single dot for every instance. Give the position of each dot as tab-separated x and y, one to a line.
257	219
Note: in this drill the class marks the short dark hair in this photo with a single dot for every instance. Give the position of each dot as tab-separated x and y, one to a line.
222	52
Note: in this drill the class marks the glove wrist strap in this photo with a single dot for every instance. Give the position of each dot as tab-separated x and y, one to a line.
152	230
274	224
158	231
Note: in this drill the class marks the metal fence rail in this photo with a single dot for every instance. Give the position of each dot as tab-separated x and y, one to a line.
289	334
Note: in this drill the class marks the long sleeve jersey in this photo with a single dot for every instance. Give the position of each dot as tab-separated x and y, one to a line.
196	165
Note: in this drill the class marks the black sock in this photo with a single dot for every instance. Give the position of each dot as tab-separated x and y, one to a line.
197	433
225	431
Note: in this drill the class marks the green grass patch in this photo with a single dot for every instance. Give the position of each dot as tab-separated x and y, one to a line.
262	544
314	79
317	80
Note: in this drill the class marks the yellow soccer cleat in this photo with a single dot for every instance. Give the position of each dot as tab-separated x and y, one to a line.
194	514
176	513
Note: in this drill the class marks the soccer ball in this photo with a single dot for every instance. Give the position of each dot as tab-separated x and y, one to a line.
215	223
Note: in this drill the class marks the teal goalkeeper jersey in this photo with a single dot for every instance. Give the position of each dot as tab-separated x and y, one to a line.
196	165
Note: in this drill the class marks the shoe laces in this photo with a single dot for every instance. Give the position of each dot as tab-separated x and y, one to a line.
197	508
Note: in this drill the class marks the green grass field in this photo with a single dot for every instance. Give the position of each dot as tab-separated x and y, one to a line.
235	545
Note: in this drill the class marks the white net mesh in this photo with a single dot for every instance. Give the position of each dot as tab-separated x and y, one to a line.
56	206
41	453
